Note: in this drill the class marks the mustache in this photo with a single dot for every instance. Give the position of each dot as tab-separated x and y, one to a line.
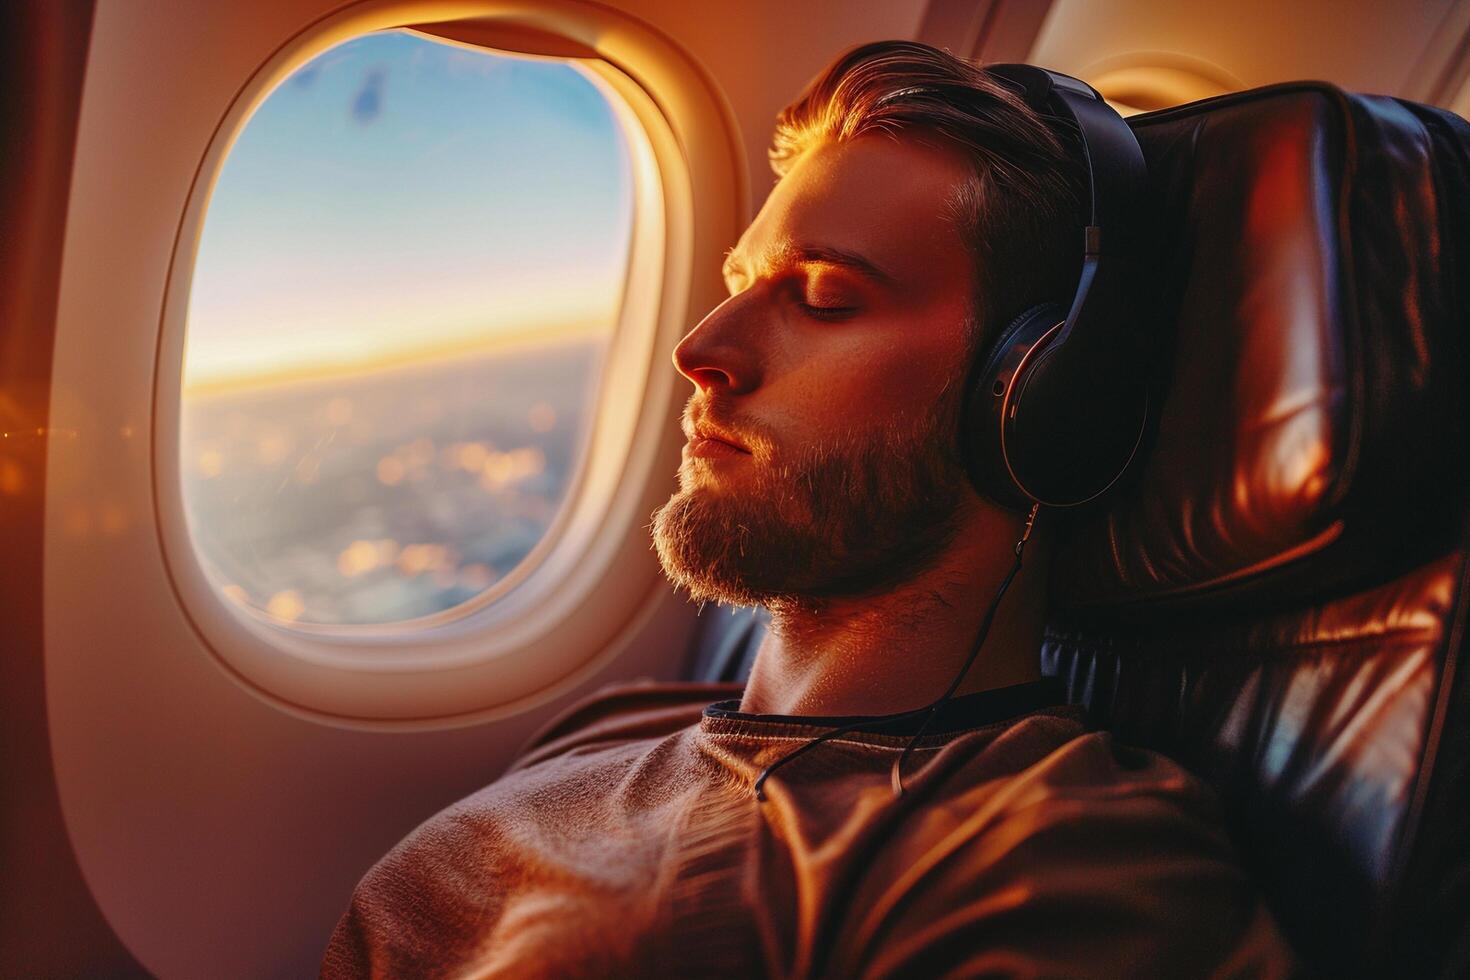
754	435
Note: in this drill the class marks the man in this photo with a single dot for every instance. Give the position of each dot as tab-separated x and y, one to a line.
649	832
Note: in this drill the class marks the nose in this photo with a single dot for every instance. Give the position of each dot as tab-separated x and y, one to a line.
720	352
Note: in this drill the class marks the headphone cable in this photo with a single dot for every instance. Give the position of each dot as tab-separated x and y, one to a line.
929	710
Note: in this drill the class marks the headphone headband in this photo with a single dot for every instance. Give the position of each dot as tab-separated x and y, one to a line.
1116	172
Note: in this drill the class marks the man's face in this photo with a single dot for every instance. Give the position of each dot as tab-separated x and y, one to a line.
823	457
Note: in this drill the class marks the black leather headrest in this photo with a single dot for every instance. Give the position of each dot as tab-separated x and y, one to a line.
1307	320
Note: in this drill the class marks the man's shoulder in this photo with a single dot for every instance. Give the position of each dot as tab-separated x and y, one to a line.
1087	775
623	712
1097	763
1049	787
1090	858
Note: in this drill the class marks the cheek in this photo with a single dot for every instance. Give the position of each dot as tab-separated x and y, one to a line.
858	384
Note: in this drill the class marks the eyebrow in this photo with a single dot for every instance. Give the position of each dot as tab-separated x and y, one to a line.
814	254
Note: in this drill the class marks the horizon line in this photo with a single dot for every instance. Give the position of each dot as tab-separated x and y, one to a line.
385	361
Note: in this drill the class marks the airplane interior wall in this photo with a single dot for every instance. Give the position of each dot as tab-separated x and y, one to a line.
51	925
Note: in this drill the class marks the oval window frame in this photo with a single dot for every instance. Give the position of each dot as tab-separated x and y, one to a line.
595	576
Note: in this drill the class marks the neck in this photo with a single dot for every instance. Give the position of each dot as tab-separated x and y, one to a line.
901	648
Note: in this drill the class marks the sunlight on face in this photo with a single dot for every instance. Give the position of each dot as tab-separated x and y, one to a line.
836	365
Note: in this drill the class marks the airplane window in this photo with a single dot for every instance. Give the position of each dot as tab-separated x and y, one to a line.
408	275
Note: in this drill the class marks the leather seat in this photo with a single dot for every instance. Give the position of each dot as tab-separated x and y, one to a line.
1277	595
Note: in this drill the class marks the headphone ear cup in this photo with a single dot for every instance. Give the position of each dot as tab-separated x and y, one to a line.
993	379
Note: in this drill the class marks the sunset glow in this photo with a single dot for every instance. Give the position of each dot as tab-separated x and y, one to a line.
398	198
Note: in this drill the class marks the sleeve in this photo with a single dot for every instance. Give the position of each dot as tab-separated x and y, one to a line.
426	905
1125	872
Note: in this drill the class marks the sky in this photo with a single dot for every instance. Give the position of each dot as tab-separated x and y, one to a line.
397	195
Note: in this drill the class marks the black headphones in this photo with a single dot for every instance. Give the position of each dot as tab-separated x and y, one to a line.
1055	412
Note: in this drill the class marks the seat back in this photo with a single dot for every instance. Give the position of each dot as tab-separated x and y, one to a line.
1277	599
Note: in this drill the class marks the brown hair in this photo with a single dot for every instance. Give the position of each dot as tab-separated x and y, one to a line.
1020	215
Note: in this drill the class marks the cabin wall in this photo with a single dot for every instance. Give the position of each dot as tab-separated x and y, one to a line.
51	925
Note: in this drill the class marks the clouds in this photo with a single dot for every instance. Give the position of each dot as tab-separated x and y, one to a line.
367	104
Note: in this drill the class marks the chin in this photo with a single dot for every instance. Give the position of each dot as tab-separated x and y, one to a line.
701	546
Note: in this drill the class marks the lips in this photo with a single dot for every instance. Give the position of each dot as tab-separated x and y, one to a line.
708	434
713	448
710	442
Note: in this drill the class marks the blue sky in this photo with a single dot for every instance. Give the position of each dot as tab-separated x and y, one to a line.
398	193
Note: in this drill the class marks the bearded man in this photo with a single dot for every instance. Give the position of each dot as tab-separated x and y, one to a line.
652	832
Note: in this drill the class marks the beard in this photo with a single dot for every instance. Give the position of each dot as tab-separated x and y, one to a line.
850	517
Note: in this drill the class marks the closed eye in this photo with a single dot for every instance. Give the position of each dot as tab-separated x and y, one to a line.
828	312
